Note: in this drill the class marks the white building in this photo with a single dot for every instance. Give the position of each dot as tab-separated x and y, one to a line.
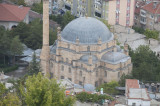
136	96
11	15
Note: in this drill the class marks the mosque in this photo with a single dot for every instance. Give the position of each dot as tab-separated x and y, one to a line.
85	52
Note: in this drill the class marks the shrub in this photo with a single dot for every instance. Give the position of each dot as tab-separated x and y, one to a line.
10	69
86	97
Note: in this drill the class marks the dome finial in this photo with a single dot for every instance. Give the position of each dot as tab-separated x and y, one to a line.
58	30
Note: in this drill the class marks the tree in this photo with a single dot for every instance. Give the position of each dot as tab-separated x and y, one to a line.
7	98
151	34
67	17
21	2
34	66
34	40
16	47
123	78
22	30
145	64
37	7
109	88
41	91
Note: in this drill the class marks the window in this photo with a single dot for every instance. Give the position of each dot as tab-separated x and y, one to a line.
62	68
69	69
80	82
105	73
70	79
88	48
118	74
68	46
62	77
96	84
96	73
80	73
67	60
51	65
143	19
152	16
81	65
62	59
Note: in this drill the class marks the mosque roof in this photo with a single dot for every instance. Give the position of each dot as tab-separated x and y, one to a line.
114	57
85	58
88	30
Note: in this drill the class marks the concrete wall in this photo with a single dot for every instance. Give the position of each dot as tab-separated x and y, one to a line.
138	102
30	2
8	25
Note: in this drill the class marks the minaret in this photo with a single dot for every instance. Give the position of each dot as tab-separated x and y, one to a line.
45	53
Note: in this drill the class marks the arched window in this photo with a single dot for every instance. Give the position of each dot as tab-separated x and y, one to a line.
62	68
69	69
67	61
96	73
105	73
88	48
62	59
80	73
51	65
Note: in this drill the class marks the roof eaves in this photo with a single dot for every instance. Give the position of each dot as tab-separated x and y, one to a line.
12	13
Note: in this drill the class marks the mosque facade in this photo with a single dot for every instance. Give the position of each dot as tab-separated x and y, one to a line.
86	52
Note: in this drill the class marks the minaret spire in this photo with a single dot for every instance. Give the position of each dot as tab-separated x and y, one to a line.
45	53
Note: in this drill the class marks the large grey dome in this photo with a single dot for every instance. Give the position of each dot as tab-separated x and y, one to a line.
87	29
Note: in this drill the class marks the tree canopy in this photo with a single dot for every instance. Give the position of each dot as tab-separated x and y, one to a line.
41	91
109	88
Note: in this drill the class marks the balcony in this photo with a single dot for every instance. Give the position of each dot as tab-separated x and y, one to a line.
143	22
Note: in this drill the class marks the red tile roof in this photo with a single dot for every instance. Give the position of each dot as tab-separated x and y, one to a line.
132	83
10	12
149	8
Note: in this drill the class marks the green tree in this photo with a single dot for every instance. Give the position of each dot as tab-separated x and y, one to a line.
21	2
22	30
34	66
109	88
37	7
34	40
151	34
41	91
123	78
145	64
7	98
67	17
16	47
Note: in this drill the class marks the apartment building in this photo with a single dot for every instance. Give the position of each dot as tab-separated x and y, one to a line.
147	16
114	11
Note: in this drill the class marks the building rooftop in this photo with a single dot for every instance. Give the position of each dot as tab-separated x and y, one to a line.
132	83
88	30
152	7
138	93
114	57
13	12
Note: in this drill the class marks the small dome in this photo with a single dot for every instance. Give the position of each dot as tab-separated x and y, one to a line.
85	58
114	57
87	29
